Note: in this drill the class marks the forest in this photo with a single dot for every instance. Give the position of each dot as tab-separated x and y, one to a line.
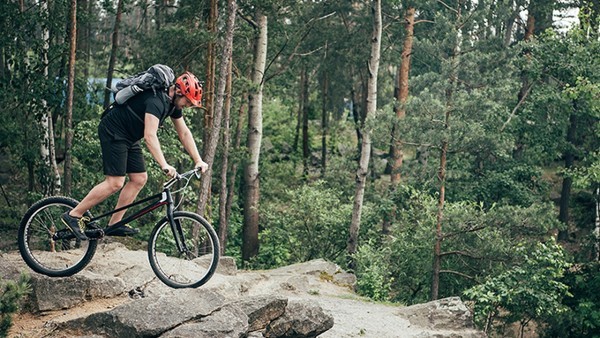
434	148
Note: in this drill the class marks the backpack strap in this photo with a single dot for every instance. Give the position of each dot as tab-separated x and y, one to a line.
130	110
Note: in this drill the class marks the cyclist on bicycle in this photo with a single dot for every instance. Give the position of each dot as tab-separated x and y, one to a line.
120	132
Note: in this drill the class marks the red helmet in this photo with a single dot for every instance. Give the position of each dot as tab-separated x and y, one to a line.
190	87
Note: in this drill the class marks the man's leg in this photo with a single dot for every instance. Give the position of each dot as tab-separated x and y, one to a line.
128	194
99	193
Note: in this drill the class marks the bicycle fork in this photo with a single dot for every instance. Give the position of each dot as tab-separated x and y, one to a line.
175	226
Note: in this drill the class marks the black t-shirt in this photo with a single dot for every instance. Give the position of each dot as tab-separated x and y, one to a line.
128	123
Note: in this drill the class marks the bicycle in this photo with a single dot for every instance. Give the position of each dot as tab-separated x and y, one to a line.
50	248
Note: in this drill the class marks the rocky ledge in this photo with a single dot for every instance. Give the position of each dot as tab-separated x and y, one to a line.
303	300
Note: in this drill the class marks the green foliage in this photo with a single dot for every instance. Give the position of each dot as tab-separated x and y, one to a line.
478	242
305	223
531	289
581	317
372	276
10	296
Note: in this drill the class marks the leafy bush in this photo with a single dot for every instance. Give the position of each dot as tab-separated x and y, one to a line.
372	274
529	290
582	315
11	294
305	223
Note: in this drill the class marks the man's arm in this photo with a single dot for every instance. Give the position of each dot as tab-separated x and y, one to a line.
187	139
151	123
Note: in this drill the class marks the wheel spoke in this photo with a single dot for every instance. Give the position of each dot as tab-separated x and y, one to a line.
196	264
60	257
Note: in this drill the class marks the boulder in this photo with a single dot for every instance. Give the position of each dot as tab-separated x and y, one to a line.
447	314
150	316
226	322
63	293
261	310
301	319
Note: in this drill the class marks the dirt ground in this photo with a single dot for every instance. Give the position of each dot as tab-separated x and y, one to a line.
27	325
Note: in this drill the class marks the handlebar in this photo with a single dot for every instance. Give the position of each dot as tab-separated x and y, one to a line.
179	177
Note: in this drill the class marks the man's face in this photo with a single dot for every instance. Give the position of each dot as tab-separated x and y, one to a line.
182	102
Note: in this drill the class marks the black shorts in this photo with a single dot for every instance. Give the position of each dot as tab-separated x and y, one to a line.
120	156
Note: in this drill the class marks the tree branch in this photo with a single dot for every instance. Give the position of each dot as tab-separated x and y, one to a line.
460	253
448	7
514	111
481	227
247	19
458	274
294	53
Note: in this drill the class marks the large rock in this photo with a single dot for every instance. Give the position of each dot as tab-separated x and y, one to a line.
226	322
301	319
150	317
448	314
301	300
62	293
262	310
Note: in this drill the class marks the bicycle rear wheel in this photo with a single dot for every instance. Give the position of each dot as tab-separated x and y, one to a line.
193	262
47	245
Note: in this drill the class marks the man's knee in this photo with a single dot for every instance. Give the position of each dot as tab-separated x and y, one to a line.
115	183
138	179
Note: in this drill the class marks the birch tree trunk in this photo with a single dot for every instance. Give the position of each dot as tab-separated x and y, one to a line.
51	183
70	89
113	53
211	148
250	243
452	81
371	106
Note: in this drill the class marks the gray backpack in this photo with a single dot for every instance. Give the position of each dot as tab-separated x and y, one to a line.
158	78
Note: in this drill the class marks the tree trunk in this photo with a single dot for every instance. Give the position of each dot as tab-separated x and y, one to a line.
113	54
324	122
83	37
51	183
251	173
356	116
452	81
396	154
437	250
305	137
223	197
211	66
70	90
211	147
596	256
236	146
371	106
301	102
565	195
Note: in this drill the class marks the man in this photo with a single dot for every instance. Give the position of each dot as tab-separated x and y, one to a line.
120	132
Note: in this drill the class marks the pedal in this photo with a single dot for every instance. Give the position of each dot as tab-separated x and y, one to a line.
64	234
94	234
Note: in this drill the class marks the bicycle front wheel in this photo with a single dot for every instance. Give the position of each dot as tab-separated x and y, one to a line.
185	254
47	245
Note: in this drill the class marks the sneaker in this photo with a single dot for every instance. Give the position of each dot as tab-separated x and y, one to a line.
76	225
120	230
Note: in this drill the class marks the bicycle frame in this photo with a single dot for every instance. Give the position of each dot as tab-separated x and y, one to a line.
163	198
